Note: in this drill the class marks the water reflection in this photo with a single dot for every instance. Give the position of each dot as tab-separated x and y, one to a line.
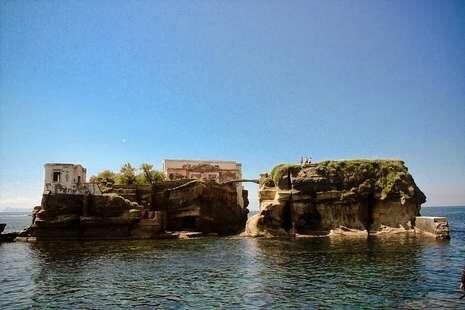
380	271
401	271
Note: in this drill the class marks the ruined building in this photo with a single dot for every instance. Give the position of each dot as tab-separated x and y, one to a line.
67	179
72	208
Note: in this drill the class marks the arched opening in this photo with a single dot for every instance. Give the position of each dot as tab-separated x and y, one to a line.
252	189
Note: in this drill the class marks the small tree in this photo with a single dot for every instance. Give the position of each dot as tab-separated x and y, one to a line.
106	177
149	175
127	175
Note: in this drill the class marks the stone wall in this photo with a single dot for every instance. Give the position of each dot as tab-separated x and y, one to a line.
437	227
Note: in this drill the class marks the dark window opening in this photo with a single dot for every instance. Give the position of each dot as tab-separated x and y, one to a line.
56	177
79	179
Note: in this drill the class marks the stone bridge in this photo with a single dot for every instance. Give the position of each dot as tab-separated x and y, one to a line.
241	180
198	181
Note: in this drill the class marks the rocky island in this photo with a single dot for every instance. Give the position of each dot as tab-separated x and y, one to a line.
343	197
347	197
156	207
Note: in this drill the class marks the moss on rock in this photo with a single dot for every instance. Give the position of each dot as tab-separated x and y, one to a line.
280	172
383	178
353	194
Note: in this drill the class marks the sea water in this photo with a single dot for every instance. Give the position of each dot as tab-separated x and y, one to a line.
379	272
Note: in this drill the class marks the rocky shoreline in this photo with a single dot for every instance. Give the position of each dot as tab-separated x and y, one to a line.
8	237
140	212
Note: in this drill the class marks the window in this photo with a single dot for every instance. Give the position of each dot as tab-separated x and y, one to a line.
56	176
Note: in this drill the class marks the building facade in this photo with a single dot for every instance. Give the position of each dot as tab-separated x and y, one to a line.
67	178
219	171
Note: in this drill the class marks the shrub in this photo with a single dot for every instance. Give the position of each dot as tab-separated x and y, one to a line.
281	170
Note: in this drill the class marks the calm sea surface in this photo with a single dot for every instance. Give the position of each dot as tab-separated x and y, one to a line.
399	272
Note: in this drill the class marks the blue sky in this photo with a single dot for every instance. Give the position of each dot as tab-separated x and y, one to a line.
260	82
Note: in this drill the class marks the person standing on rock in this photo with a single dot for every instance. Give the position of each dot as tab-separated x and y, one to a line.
462	283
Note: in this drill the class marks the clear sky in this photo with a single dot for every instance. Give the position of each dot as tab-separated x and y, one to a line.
259	82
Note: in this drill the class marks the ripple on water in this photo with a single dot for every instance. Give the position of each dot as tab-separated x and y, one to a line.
401	272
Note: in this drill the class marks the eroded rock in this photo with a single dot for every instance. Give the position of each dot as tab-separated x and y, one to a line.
205	207
337	197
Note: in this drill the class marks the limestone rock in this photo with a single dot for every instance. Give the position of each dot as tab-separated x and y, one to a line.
255	227
320	198
206	207
75	216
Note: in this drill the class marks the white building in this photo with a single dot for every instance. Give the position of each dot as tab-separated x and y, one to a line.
63	178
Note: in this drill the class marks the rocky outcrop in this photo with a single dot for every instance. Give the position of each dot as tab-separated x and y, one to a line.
141	212
315	199
434	226
71	216
194	205
8	237
207	207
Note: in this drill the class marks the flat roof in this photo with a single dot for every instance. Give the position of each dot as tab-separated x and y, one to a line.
63	164
204	160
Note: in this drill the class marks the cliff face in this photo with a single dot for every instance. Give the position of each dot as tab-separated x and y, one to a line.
206	207
141	213
352	194
68	216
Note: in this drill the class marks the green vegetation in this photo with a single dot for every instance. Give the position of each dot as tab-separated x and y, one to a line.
281	170
383	177
106	177
266	181
354	178
149	175
129	175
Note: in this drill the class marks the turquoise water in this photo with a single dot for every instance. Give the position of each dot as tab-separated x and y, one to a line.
400	272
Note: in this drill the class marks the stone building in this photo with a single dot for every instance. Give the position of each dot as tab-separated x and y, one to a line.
67	178
219	171
134	211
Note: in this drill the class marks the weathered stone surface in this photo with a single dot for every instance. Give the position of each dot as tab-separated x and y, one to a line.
314	199
393	214
437	227
206	207
74	216
257	228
